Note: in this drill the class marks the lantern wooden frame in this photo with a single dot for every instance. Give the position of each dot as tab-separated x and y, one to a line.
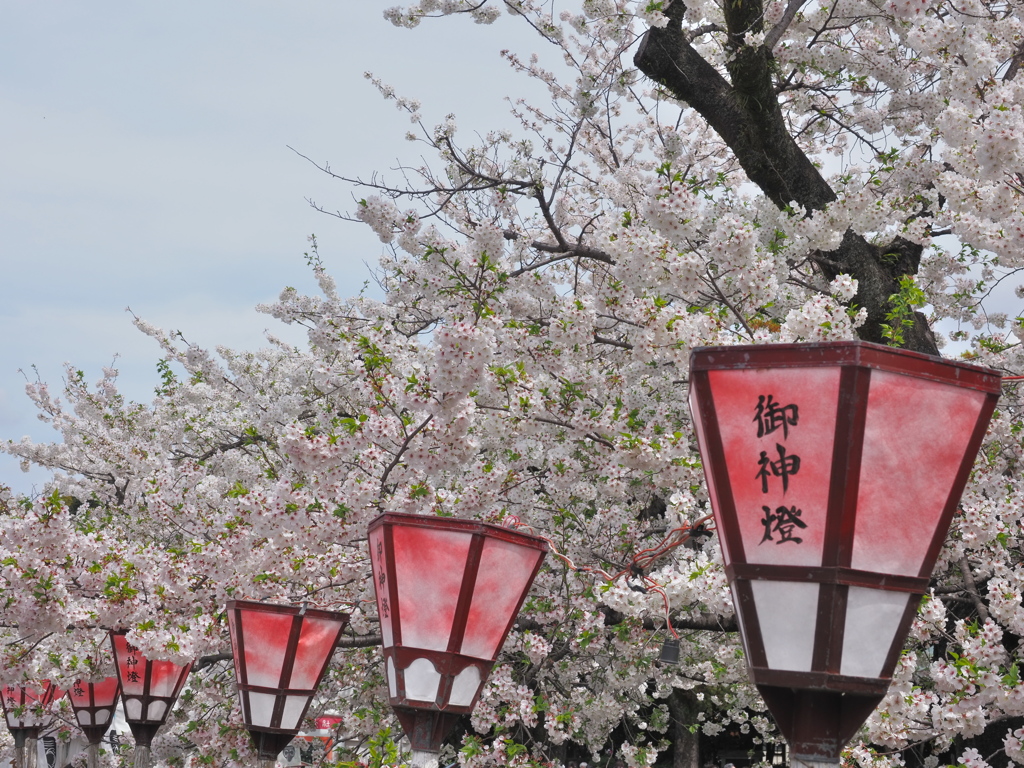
457	667
95	705
145	709
820	708
300	640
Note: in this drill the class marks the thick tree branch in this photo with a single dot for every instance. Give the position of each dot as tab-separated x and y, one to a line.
747	115
972	588
776	32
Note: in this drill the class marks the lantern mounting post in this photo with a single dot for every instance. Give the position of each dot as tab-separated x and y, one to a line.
448	593
834	471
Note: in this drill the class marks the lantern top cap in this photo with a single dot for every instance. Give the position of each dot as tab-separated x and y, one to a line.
286	609
863	354
458	524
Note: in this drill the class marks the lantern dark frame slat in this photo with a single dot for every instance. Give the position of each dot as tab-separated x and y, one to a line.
812	692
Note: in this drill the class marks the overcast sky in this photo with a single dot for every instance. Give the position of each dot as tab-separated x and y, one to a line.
144	164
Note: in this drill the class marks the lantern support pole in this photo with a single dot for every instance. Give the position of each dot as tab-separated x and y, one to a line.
20	736
92	756
142	756
422	758
267	762
31	759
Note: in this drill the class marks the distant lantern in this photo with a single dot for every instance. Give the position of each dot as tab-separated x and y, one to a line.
26	710
834	471
149	689
94	705
448	592
281	654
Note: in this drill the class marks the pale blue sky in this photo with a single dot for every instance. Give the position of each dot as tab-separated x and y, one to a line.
143	163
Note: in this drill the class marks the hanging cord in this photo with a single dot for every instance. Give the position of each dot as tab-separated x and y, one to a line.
642	560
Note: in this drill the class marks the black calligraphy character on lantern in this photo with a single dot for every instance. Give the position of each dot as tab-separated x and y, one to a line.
384	609
133	676
770	416
130	648
79	691
782	521
131	661
784	467
380	561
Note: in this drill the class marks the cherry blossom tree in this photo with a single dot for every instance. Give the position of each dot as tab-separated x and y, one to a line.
753	171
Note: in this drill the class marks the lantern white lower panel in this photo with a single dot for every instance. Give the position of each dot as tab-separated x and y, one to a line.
133	709
157	710
293	708
261	708
392	682
872	618
787	612
84	718
102	715
421	681
464	687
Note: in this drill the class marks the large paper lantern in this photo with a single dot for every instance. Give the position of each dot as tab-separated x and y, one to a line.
94	705
281	654
834	471
149	689
448	592
27	706
26	710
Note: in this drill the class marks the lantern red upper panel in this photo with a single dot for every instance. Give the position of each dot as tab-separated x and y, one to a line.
448	592
281	654
834	471
150	688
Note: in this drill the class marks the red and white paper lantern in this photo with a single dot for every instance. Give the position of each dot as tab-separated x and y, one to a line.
26	708
281	654
834	471
448	592
149	688
94	705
